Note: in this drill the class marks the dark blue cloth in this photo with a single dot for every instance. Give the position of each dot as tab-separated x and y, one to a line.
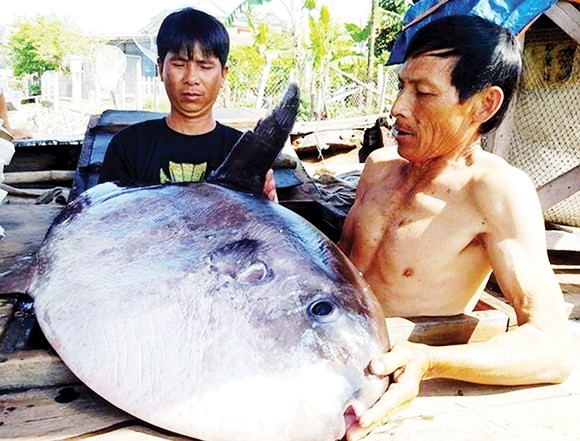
514	15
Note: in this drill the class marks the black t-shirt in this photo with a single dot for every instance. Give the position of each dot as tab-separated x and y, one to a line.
152	153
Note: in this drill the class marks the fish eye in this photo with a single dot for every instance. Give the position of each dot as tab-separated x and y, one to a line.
323	311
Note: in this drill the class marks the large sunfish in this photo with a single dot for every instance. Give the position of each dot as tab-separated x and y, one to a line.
211	311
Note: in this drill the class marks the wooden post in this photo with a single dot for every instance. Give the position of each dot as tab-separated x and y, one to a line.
567	17
264	79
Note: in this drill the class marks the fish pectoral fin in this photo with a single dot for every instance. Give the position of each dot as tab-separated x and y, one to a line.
255	273
239	260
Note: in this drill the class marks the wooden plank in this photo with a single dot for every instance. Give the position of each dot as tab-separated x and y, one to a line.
136	433
33	368
562	241
457	329
560	188
567	17
449	410
27	177
488	302
359	122
56	413
460	411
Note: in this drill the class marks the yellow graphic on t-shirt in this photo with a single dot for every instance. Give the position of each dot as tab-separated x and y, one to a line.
183	172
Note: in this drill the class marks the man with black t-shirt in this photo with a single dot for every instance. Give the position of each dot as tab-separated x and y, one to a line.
188	144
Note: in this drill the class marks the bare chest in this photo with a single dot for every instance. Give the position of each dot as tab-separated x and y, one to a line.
400	229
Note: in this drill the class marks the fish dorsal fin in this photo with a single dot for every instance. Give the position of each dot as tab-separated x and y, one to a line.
253	155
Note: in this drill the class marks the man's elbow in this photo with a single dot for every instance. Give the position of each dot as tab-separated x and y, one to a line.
564	360
563	368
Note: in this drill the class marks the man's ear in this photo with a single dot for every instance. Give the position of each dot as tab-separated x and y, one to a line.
160	67
225	70
488	103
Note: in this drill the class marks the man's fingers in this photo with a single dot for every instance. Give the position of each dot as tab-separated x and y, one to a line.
389	362
381	412
270	186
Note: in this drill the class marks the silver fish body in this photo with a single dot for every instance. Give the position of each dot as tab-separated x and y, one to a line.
209	312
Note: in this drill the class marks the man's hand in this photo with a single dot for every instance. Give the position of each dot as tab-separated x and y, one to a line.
270	186
409	363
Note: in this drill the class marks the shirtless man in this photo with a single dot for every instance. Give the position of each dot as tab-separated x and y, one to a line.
427	229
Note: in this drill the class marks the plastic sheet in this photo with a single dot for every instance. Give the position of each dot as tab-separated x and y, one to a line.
514	15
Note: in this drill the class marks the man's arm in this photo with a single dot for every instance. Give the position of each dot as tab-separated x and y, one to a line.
537	351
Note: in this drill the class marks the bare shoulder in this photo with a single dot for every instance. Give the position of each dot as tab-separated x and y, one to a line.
381	164
502	189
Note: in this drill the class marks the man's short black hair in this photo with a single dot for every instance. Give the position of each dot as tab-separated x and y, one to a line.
184	28
487	55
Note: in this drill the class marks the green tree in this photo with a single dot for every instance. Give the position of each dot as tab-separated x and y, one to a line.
41	44
390	25
386	21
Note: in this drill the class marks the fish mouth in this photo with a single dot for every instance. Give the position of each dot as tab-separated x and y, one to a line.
351	415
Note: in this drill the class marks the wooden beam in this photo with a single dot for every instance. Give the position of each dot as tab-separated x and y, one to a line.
35	368
567	17
560	188
30	177
57	413
458	329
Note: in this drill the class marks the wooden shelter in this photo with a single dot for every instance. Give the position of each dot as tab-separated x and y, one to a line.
541	132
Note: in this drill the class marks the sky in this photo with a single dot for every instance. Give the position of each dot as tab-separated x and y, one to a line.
124	17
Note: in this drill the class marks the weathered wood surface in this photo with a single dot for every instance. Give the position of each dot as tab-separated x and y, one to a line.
33	177
32	369
328	141
448	410
565	15
56	413
136	433
457	329
560	188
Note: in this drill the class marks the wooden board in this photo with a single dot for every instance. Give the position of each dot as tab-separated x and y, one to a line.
448	410
457	329
136	433
56	413
33	368
453	411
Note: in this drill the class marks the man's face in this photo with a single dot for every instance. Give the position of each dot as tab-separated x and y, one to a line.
192	85
430	120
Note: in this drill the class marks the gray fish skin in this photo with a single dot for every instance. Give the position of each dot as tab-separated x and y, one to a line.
191	308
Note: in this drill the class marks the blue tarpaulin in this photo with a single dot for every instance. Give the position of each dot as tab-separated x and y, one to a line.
514	15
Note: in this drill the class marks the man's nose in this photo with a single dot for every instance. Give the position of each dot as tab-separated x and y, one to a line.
400	106
191	73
